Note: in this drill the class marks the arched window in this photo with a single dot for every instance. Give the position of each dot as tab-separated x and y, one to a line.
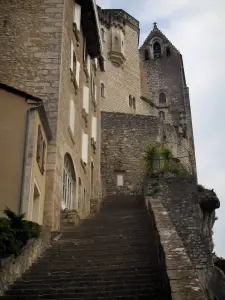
130	101
102	90
162	98
146	54
168	52
162	115
157	50
69	184
116	40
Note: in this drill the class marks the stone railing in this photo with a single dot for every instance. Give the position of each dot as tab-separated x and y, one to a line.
11	268
184	282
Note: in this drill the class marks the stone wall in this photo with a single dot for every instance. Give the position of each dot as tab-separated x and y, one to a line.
35	56
182	277
12	268
180	197
124	137
122	81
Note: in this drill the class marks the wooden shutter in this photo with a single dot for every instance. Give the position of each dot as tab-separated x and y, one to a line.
39	138
78	73
72	115
86	98
94	128
77	15
85	148
71	57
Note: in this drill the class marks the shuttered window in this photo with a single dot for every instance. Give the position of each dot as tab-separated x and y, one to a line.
86	99
40	154
77	15
72	116
94	128
85	148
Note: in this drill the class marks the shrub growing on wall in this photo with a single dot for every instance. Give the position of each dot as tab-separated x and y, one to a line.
158	159
15	232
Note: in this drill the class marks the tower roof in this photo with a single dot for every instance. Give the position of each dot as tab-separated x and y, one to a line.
156	32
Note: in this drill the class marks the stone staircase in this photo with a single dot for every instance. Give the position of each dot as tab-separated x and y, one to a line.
113	255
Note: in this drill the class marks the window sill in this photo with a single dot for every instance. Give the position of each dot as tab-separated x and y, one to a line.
76	33
85	116
73	79
71	135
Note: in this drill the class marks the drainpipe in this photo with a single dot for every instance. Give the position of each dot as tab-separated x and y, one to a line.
24	155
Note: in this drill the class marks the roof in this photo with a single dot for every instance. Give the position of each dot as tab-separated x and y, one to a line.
156	32
40	108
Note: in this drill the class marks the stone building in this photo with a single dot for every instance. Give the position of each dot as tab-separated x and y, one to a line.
149	82
105	101
53	49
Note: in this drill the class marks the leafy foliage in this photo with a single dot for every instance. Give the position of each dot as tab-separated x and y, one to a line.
159	159
15	232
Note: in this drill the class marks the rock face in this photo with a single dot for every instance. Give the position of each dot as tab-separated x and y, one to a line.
114	255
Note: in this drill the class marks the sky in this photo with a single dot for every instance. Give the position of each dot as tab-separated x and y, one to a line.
197	30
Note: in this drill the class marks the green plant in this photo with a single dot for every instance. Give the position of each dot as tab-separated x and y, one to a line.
150	102
15	232
158	160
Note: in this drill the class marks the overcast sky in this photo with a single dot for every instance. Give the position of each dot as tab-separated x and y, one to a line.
197	29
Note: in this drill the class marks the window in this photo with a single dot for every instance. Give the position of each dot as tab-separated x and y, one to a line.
102	90
162	98
40	155
75	65
134	103
69	183
86	98
130	101
168	52
85	148
119	178
162	115
103	34
87	60
77	15
94	128
72	115
36	204
146	54
157	50
116	40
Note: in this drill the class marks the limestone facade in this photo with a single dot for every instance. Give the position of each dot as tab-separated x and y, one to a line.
121	79
36	56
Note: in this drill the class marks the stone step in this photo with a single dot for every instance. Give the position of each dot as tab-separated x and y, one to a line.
112	255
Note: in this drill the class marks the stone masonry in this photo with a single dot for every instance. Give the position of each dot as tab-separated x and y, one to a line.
122	81
191	220
35	56
122	148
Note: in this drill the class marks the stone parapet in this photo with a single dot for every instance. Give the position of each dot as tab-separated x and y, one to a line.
184	282
11	268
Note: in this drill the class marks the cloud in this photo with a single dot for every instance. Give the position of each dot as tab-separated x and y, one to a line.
196	28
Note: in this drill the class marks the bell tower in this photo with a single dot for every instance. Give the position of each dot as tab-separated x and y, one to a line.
163	83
